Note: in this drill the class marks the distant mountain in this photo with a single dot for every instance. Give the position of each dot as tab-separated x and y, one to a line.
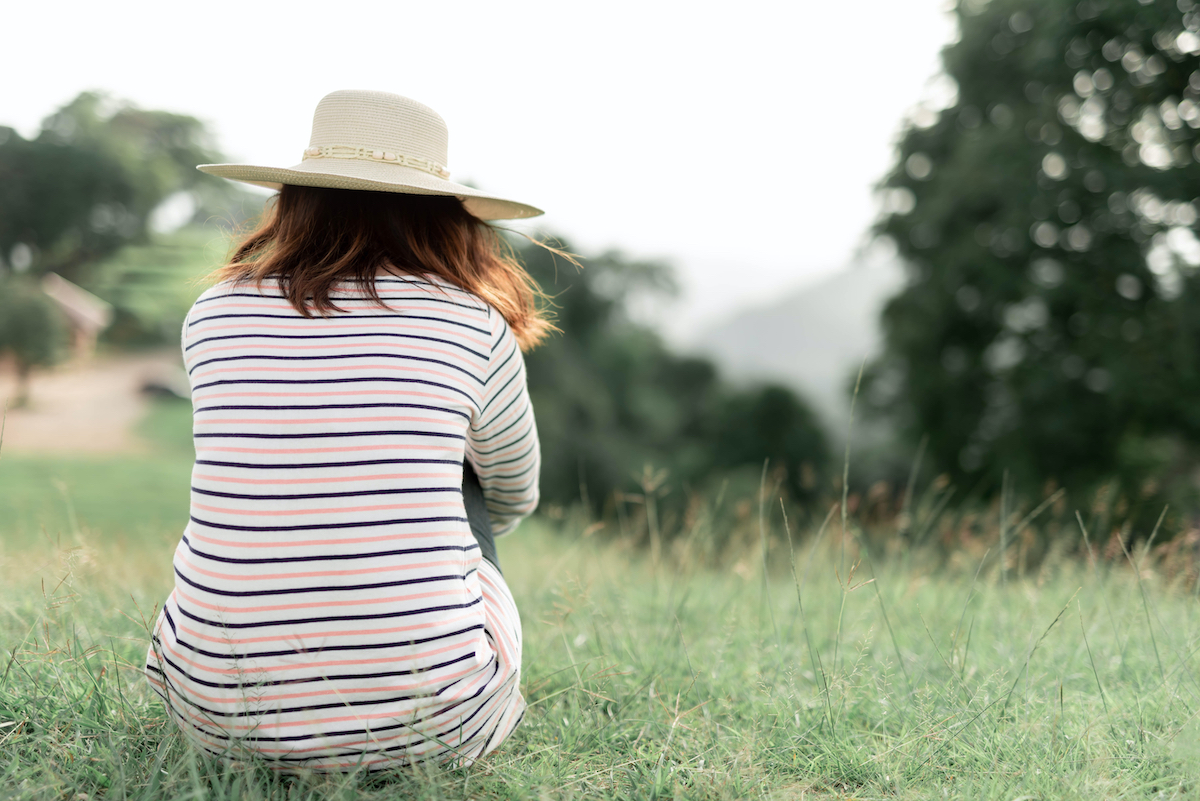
812	340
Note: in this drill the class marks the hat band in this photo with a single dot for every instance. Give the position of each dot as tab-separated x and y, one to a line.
369	154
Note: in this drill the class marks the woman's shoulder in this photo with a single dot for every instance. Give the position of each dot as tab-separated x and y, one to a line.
229	287
433	285
390	286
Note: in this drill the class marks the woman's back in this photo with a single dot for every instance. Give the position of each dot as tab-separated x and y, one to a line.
331	604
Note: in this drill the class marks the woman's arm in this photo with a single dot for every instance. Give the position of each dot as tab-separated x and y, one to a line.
502	442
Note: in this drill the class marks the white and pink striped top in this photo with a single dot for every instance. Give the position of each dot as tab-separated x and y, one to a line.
331	608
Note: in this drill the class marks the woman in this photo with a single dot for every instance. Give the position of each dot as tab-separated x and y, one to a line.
332	607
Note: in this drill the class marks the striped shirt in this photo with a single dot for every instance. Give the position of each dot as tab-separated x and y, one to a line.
331	608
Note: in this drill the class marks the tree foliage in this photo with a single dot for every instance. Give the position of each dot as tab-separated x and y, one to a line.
87	184
612	398
32	331
1051	321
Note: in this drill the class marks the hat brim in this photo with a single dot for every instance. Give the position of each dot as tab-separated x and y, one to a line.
373	176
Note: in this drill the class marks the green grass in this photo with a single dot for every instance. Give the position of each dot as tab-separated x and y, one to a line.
1074	680
122	498
119	498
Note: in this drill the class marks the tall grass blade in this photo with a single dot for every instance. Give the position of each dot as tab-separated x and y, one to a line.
1096	673
967	603
1027	521
910	487
935	515
766	575
1096	570
1004	530
814	660
866	549
842	568
846	463
1137	573
1033	650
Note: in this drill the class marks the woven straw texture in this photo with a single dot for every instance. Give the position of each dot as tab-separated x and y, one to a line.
386	129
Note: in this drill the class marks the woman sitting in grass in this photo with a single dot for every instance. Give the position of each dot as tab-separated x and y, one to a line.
338	601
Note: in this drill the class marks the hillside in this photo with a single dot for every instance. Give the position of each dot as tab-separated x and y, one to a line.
813	339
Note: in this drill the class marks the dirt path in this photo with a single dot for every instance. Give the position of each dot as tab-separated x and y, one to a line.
90	408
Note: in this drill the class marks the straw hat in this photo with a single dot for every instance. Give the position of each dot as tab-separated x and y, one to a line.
378	142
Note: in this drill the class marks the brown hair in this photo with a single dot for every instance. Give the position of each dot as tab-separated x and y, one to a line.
310	238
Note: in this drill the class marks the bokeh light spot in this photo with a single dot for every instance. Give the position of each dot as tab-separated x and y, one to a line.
919	166
1055	166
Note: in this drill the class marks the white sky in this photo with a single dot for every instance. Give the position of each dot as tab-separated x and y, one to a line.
738	141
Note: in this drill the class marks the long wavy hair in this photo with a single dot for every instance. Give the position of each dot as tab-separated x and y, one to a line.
310	238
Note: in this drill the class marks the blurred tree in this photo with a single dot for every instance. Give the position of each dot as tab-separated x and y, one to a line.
1047	210
152	285
611	397
772	423
90	181
32	331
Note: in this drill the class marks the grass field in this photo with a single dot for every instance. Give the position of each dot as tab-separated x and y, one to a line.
668	680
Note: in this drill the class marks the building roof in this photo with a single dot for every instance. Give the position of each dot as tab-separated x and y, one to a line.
82	308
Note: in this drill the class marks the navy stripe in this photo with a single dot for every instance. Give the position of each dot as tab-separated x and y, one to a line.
401	356
447	342
325	434
301	621
319	465
374	646
326	526
378	585
292	381
278	560
323	406
298	318
216	685
339	298
314	495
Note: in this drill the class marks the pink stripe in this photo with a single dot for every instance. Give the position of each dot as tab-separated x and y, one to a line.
332	368
330	511
517	435
330	480
364	571
204	448
319	421
251	671
426	288
484	472
393	599
372	740
298	640
500	483
492	624
448	329
342	346
339	541
423	288
493	702
333	695
221	307
330	394
419	734
515	388
267	726
494	615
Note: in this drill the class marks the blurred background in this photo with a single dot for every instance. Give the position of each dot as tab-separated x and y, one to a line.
985	209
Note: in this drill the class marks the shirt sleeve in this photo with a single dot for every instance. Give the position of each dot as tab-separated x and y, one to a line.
503	442
183	345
